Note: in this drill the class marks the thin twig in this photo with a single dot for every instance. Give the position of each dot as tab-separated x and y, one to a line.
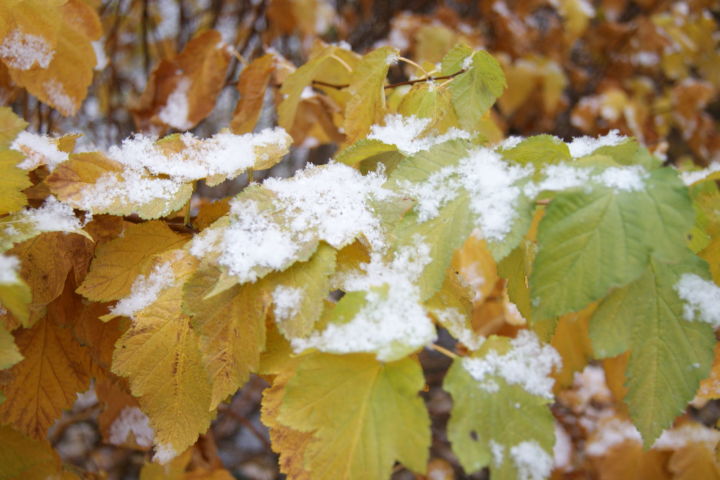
393	85
247	424
443	350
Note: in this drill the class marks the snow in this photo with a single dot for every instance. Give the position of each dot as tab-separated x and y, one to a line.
531	461
404	133
691	177
176	109
468	62
562	451
702	299
168	12
52	216
456	323
8	269
23	51
563	177
58	97
101	59
510	142
626	179
164	453
145	290
472	277
582	146
528	363
39	150
498	452
611	432
287	302
392	321
686	434
132	420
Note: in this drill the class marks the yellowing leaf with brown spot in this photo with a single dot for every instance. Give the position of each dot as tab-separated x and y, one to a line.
364	415
231	327
291	445
367	94
160	355
27	458
182	90
61	69
119	262
55	368
252	84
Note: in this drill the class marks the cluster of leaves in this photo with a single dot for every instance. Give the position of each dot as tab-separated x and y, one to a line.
536	255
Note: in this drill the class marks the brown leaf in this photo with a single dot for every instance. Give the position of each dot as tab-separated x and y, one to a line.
251	86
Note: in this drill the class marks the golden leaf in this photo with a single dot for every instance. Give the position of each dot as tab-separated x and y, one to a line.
119	262
572	342
56	367
161	357
28	458
694	461
9	353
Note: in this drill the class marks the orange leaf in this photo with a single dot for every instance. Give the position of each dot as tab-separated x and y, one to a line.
252	85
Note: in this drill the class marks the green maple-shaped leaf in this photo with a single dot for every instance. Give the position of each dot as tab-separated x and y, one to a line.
364	415
494	426
592	241
669	355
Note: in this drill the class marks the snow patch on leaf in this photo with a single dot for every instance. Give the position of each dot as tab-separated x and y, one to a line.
175	111
39	150
8	269
582	146
405	133
702	299
53	216
23	51
287	301
611	432
531	461
528	363
145	290
132	420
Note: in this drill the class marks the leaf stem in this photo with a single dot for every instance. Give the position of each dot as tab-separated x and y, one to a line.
443	350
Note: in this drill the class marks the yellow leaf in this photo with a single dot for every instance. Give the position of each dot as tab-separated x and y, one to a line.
694	461
9	353
160	355
15	297
60	33
119	262
572	342
363	414
252	84
10	126
28	458
173	470
55	368
231	326
367	94
182	90
12	182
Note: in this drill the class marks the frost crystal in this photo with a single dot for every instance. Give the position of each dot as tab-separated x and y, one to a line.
702	299
531	461
8	269
527	363
404	133
39	150
145	290
392	316
23	51
582	146
132	420
287	302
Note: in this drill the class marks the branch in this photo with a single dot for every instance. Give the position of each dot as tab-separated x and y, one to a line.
393	85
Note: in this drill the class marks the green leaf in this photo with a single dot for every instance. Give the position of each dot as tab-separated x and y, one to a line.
364	415
362	150
669	355
486	424
475	91
299	292
539	151
592	241
426	100
629	152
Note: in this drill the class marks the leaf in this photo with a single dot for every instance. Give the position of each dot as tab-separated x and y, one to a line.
61	33
13	181
161	357
55	368
299	292
24	457
692	461
9	353
231	328
572	341
16	297
475	90
367	95
364	149
485	424
183	90
425	100
363	414
10	126
590	242
251	86
669	355
118	262
538	150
